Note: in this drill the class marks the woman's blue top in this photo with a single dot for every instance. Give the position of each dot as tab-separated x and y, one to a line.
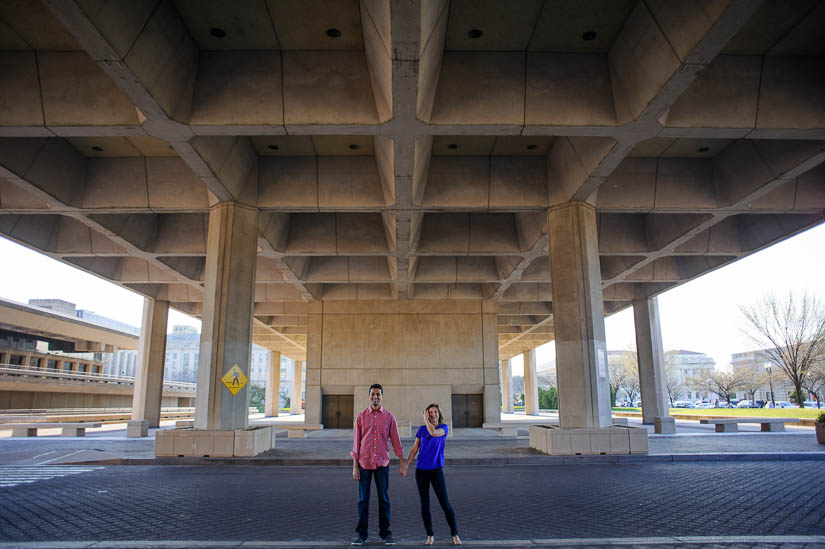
431	451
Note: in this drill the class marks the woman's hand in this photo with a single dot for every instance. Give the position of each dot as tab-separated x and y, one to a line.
426	417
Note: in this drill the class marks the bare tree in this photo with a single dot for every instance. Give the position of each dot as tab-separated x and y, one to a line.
616	381
815	382
724	384
791	334
751	380
630	368
673	382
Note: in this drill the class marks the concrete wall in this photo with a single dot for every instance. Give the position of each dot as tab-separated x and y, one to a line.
421	352
22	400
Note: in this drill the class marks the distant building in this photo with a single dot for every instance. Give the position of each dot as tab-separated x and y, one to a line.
757	362
182	349
689	366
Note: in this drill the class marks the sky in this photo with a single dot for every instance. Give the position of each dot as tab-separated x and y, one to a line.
702	315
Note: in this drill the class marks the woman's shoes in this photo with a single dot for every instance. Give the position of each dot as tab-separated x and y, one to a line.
431	540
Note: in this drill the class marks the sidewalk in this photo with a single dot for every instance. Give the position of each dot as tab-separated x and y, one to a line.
109	445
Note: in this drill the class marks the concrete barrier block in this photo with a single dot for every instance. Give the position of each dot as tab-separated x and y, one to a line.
184	443
619	441
580	442
164	444
638	440
664	425
600	441
137	428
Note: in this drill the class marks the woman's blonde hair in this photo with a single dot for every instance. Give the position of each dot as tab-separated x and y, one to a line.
440	415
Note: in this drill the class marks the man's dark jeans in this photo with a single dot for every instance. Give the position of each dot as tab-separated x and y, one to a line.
382	484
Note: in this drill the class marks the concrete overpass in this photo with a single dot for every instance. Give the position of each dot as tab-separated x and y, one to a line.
409	191
30	378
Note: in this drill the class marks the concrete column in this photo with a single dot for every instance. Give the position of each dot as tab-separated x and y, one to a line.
149	369
651	357
506	387
295	390
578	316
312	393
226	336
273	385
531	384
489	340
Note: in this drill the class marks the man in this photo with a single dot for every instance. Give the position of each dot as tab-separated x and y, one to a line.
370	460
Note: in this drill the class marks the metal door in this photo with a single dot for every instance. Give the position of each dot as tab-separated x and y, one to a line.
336	411
345	411
467	411
330	416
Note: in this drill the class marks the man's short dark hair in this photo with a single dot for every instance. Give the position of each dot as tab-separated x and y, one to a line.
376	386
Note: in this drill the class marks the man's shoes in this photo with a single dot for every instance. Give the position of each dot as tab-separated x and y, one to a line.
389	540
358	540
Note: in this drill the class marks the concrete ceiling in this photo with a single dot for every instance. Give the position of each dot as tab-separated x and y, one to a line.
409	150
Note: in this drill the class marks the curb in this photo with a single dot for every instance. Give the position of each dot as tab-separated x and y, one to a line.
532	460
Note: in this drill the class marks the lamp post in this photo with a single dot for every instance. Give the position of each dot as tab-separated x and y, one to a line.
770	382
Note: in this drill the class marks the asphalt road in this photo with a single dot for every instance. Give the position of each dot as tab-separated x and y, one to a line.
317	504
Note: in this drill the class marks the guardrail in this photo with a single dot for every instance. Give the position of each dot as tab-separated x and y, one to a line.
58	375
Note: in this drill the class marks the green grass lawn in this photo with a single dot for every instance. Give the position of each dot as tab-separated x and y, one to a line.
741	412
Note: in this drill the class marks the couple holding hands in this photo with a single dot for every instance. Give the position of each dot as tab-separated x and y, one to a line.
375	428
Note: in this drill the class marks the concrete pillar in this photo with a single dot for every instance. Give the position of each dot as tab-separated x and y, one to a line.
506	387
312	392
651	358
531	384
226	336
295	390
489	349
578	316
273	385
148	387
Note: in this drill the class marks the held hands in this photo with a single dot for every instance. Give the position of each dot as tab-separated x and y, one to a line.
403	467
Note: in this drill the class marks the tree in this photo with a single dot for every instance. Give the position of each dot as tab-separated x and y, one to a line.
724	384
790	332
257	394
548	399
673	382
616	381
815	382
751	381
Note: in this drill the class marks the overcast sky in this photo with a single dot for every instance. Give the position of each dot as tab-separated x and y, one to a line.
702	315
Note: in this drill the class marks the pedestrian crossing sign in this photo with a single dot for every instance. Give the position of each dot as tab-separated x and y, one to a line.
234	379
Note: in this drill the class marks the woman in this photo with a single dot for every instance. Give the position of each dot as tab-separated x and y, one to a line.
430	439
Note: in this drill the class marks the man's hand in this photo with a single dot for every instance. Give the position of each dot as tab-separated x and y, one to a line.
403	468
356	472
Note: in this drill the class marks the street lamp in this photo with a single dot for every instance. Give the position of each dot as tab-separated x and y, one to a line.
770	382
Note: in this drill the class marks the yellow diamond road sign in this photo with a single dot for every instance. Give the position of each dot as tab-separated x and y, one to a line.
234	379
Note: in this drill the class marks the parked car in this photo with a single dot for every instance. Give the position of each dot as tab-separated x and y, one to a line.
683	404
745	404
810	404
703	405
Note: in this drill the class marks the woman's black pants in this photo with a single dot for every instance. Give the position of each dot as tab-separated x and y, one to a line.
435	477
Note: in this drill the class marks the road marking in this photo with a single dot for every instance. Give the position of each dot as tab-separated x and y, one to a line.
14	475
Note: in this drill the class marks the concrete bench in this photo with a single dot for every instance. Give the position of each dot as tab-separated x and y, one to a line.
504	430
731	425
30	429
298	430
